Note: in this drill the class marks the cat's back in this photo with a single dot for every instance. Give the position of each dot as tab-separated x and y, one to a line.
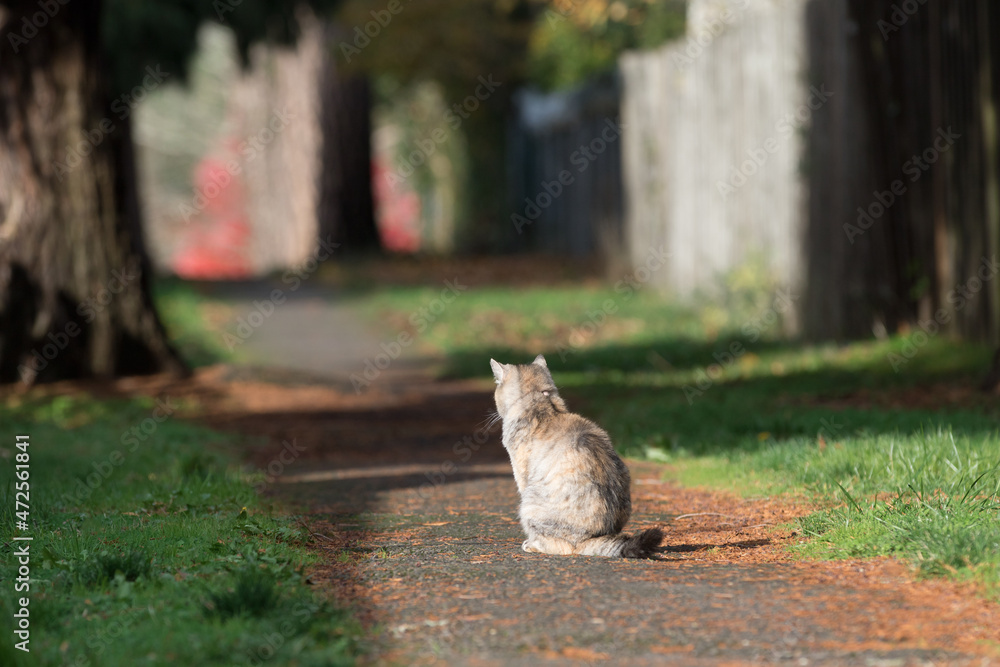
576	475
568	443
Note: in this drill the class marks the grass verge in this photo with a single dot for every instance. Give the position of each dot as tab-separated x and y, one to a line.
151	548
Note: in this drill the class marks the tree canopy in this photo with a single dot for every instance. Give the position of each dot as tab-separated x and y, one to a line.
163	33
573	40
548	43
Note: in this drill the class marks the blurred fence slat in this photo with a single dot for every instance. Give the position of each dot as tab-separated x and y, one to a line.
845	103
280	90
553	133
701	115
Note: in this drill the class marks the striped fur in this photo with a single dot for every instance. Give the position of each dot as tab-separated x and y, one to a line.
575	496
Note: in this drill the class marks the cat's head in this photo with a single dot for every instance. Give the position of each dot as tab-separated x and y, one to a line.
525	387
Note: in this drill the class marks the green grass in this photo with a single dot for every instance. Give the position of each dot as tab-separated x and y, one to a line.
929	495
505	322
151	548
922	484
183	310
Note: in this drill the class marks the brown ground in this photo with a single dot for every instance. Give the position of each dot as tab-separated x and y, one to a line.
437	574
510	270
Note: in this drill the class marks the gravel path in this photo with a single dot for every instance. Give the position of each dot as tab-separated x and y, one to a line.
414	512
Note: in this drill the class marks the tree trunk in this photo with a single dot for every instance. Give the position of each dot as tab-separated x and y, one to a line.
346	206
74	280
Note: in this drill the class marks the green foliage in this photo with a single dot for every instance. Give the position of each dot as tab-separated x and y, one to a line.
573	41
738	296
184	312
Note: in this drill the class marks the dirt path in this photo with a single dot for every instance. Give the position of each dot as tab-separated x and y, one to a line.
312	334
414	512
419	534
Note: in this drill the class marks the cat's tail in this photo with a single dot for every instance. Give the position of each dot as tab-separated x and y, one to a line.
640	545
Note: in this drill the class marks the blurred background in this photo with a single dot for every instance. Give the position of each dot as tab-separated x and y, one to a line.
846	151
244	243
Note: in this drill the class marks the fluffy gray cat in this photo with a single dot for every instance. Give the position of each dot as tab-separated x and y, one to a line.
574	488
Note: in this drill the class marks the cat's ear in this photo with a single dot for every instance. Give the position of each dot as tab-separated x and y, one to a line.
540	361
497	370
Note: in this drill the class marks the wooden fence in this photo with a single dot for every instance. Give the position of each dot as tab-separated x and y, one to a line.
714	144
778	130
575	134
929	76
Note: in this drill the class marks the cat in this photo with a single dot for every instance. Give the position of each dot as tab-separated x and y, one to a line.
574	488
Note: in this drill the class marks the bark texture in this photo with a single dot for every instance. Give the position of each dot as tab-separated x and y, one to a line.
346	205
74	281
